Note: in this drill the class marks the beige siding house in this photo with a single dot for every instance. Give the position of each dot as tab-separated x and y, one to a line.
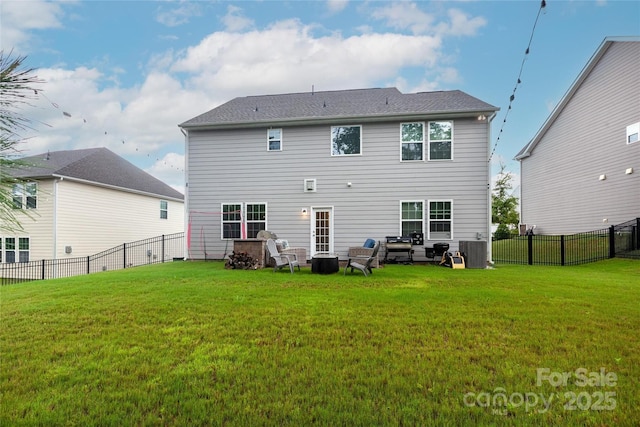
581	171
328	170
80	202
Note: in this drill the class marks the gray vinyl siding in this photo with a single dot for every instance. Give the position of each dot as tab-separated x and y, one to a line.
229	166
561	191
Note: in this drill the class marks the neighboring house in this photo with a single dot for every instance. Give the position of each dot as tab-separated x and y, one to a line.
327	170
581	171
80	202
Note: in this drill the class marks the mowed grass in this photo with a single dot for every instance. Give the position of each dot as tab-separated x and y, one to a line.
190	343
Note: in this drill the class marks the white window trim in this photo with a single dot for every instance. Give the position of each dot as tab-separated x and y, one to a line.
246	220
222	221
428	218
400	214
24	196
428	146
16	250
331	140
281	139
423	142
166	210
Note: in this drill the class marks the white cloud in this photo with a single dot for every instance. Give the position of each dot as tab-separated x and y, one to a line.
235	21
170	169
337	5
408	16
175	16
20	18
232	64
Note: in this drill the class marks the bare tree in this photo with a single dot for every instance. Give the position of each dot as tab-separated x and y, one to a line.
16	91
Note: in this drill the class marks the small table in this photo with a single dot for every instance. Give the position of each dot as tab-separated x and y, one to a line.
325	263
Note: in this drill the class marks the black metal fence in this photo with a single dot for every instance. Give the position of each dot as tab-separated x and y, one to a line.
142	252
621	240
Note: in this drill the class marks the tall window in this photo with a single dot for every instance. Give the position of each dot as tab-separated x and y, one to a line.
231	221
346	140
23	249
10	250
256	219
412	140
274	139
440	140
440	223
25	195
411	217
164	209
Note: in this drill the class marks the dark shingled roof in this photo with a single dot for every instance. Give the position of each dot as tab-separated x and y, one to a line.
96	165
343	104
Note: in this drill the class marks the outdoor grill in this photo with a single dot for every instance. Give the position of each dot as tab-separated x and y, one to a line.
398	244
437	250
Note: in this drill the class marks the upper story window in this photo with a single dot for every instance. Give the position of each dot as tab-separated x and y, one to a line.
164	209
346	140
274	139
25	195
440	140
412	141
411	217
632	133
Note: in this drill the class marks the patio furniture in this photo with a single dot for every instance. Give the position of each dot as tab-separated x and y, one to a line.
325	263
364	251
281	260
363	263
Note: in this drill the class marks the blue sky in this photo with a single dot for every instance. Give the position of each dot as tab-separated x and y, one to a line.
126	73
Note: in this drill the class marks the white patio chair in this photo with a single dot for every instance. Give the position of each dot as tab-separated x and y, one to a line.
281	260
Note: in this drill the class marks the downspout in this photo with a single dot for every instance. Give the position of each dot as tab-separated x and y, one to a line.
186	219
489	238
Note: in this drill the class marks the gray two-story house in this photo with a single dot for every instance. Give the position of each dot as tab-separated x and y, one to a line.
328	170
581	171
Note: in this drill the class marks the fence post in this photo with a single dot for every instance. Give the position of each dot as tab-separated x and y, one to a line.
124	255
562	249
88	264
163	248
42	276
636	232
612	242
530	249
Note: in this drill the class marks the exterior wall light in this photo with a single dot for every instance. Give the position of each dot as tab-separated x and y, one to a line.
303	211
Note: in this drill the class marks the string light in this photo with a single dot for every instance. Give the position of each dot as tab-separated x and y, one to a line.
543	4
84	120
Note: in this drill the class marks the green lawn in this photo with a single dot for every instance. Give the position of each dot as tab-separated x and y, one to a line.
190	343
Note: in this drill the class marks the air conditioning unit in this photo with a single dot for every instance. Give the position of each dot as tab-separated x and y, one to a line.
310	185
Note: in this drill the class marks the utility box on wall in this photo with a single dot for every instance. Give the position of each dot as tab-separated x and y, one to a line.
475	252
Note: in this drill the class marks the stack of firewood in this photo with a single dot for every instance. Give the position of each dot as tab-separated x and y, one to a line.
241	261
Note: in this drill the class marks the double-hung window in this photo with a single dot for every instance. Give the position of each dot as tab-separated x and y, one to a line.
256	219
274	139
164	209
441	140
346	140
243	220
231	221
412	141
25	195
440	220
411	217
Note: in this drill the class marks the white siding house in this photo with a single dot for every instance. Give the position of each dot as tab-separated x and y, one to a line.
328	170
80	202
581	171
